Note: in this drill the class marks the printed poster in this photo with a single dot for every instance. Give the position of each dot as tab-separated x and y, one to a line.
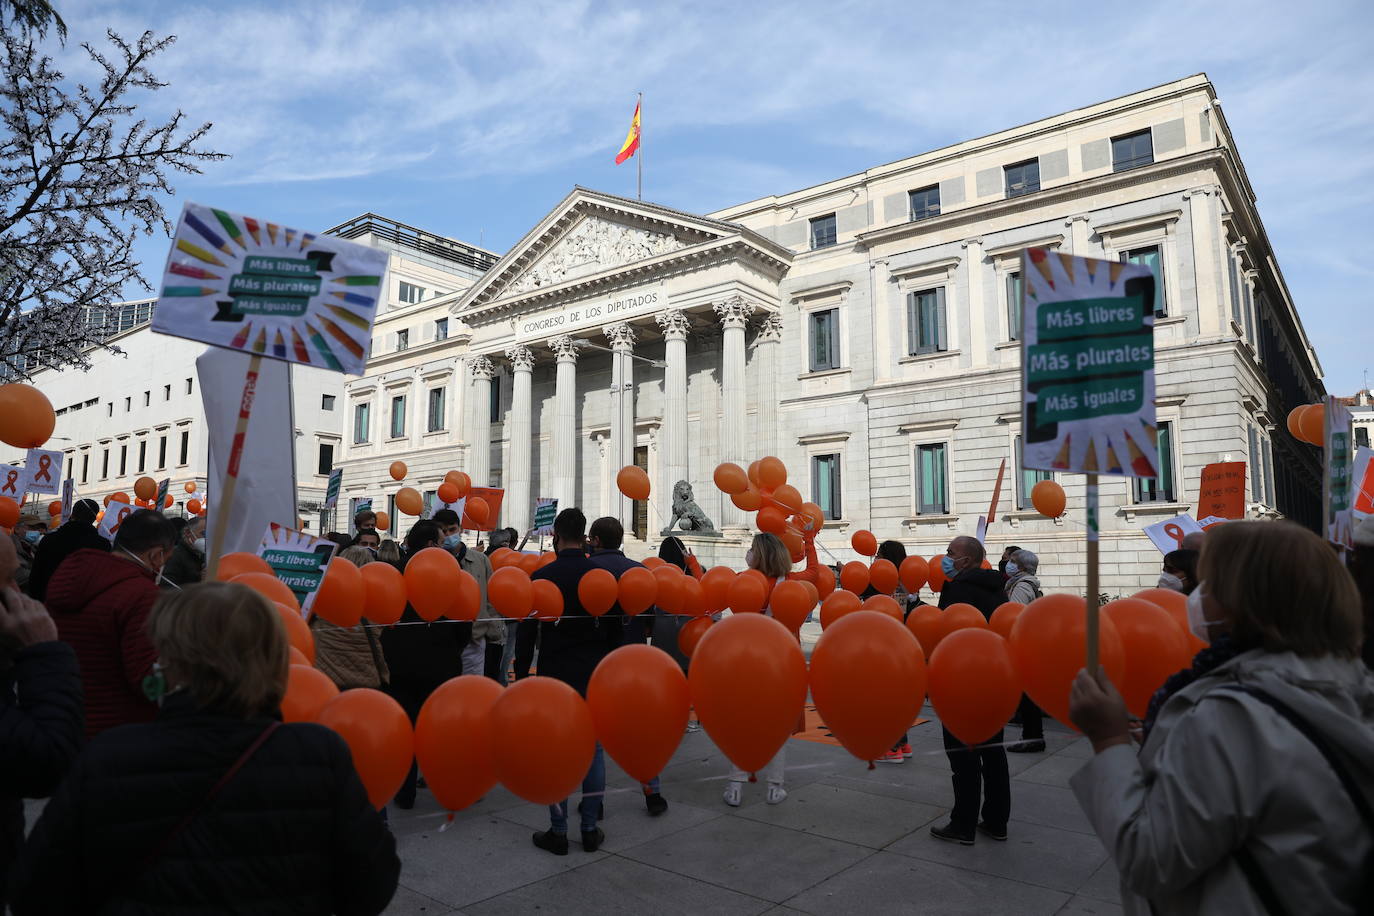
45	471
1168	535
249	284
1362	483
493	496
1221	490
331	490
545	511
298	559
68	497
160	502
115	513
1088	377
1338	449
14	482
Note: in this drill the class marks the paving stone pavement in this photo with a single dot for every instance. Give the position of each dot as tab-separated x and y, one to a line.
846	840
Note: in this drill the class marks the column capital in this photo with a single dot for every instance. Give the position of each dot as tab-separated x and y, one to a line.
521	358
481	367
771	332
733	312
1076	218
563	348
969	243
673	323
621	336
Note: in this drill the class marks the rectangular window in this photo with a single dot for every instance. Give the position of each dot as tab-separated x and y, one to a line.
147	399
925	203
496	399
1235	287
823	231
1149	256
185	447
436	410
402	339
104	464
825	484
1268	471
398	416
1249	307
825	340
1022	178
1362	436
326	402
362	421
931	490
166	392
1159	489
326	463
1026	479
925	322
128	404
142	454
109	409
190	386
1256	469
411	293
1132	151
85	466
441	329
1014	288
123	460
161	453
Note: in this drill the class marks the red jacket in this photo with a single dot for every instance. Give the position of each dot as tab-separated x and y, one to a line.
100	602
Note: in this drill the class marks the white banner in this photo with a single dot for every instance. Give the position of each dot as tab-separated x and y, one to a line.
115	513
45	471
14	482
1168	535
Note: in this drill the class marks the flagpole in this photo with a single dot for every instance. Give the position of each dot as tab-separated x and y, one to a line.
639	174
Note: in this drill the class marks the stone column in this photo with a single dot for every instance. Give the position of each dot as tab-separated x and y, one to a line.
479	421
1213	304
977	314
564	452
766	357
622	338
734	317
518	502
674	444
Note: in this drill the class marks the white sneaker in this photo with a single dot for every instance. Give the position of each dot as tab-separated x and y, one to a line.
776	794
693	726
734	792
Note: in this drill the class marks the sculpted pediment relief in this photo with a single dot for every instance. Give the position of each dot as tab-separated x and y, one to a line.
592	246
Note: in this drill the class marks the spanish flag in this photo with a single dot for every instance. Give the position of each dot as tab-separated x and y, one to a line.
631	139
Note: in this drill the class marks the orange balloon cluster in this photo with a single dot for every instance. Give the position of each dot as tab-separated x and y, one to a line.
764	489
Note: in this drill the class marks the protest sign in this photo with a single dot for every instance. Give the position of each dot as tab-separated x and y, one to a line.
1221	490
1338	520
115	513
545	511
45	471
298	559
68	496
1168	535
14	482
1362	482
1208	521
331	490
493	499
163	486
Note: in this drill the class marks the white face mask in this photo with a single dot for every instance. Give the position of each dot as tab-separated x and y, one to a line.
1170	581
1197	621
1012	568
198	545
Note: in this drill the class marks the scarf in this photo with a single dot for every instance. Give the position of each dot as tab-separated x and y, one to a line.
1221	651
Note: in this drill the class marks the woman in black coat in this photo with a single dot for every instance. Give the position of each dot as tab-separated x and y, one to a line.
215	806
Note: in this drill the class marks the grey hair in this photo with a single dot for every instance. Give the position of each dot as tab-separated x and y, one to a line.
1027	561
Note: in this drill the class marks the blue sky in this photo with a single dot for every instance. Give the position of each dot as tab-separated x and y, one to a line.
473	118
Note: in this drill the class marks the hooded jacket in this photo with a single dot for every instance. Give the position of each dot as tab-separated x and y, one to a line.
100	603
1222	770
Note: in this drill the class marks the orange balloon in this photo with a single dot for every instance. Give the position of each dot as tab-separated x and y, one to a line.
297	656
476	512
546	600
1312	425
55	507
527	562
730	478
825	581
668	581
384	593
460	480
9	512
1048	645
597	590
772	520
813	594
652	562
431	578
882	574
508	590
193	506
453	740
935	573
1048	498
167	501
837	604
1002	619
750	500
468	602
787	496
926	623
854	577
190	486
693	602
269	586
145	488
307	690
753	473
884	604
1294	421
297	631
383	520
864	543
715	583
796	547
1155	648
747	595
377	731
409	501
868	680
633	482
26	416
1176	604
790	603
813	517
448	494
913	573
548	714
690	635
960	617
973	684
636	590
119	496
398	472
639	704
748	684
501	556
341	598
772	473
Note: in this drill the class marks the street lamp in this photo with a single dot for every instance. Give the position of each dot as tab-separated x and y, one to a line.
583	344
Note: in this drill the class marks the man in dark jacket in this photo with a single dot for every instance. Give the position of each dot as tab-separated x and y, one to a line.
980	770
40	708
77	534
100	602
569	650
187	564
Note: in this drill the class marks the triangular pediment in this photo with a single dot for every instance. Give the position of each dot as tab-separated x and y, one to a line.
592	245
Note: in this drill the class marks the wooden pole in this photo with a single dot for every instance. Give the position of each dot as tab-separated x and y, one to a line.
224	499
1093	528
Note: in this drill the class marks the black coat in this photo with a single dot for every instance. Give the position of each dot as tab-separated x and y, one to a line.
571	647
423	656
41	732
981	588
185	567
56	547
292	832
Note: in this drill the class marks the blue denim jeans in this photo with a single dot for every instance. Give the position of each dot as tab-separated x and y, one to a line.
508	652
593	792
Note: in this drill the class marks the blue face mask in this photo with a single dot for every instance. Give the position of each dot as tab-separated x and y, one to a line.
947	566
32	536
452	541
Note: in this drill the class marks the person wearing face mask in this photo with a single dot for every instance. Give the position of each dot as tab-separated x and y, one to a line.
1179	572
187	565
1023	587
1006	558
483	653
1253	790
100	602
25	536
